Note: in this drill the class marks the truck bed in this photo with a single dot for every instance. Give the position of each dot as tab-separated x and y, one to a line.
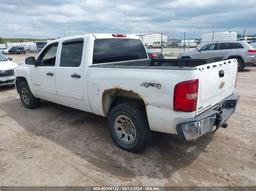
187	64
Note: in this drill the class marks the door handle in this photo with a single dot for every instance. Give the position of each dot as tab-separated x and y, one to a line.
49	74
75	76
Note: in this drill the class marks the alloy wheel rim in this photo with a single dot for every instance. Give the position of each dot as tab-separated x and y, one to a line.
25	95
125	129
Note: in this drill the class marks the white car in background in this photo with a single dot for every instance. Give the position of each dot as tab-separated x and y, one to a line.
4	50
6	71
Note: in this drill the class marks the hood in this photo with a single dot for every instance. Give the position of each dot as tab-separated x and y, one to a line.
7	65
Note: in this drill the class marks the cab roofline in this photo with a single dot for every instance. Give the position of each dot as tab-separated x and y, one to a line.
97	36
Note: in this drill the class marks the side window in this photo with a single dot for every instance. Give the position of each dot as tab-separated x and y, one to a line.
48	56
225	46
208	47
71	53
237	45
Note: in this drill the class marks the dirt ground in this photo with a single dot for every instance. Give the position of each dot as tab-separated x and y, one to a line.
58	146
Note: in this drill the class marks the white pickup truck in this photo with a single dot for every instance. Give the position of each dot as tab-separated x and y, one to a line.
110	75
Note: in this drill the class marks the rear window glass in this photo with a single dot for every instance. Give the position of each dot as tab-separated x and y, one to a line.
113	50
236	45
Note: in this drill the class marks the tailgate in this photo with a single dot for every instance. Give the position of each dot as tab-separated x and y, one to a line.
216	82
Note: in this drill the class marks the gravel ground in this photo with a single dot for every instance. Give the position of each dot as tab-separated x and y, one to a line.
58	146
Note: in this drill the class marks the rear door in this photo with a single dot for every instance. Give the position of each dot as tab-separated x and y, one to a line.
224	49
70	74
216	82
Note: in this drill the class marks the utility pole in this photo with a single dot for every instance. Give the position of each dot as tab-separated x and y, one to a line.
244	32
161	43
213	35
184	44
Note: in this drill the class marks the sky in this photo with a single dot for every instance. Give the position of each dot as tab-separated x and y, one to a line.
58	18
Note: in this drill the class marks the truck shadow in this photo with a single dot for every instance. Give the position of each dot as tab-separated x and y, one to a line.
6	88
86	135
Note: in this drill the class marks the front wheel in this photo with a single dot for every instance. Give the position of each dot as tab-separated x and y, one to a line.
128	127
26	97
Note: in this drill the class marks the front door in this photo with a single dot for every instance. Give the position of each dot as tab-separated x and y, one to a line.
43	76
207	51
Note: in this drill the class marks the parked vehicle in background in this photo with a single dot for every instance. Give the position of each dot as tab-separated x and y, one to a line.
17	50
6	71
4	50
240	50
217	37
110	75
188	43
40	45
153	54
155	45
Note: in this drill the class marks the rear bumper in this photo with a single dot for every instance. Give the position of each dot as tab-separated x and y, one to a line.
204	123
251	60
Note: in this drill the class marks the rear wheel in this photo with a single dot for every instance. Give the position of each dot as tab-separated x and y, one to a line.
240	64
128	127
26	97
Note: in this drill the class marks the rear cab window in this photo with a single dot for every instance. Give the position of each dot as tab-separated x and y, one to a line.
115	50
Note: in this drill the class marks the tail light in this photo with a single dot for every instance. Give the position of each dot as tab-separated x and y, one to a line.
152	55
119	35
185	96
251	51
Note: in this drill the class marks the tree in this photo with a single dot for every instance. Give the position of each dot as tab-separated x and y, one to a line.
1	40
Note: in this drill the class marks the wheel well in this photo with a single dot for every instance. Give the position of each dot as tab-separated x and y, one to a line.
116	96
236	57
18	81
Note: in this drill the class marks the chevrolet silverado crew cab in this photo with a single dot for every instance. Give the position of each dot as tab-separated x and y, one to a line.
111	75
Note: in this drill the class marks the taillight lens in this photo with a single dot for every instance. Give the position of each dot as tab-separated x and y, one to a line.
185	96
251	51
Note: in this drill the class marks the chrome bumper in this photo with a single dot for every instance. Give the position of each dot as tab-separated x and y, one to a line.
204	123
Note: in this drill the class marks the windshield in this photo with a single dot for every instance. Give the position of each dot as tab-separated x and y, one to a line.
3	58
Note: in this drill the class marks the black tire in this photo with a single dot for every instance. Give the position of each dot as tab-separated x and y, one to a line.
27	98
240	65
138	118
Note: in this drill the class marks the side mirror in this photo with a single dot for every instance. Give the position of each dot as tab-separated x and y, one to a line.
9	58
199	50
31	61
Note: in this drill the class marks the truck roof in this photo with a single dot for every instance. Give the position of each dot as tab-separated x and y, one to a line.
100	36
114	35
